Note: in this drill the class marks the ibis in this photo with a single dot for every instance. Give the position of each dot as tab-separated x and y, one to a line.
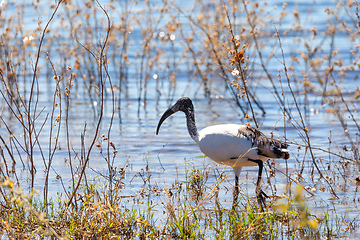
231	144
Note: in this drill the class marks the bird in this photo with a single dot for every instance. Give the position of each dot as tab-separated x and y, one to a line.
231	144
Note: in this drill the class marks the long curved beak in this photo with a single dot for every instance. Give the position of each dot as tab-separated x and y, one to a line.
166	114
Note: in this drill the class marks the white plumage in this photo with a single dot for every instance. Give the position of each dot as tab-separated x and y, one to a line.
224	145
231	144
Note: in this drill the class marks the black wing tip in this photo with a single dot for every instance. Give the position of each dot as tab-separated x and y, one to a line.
284	145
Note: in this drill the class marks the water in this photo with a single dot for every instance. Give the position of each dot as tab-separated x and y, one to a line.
167	155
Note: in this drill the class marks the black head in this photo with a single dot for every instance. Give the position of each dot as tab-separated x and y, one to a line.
183	104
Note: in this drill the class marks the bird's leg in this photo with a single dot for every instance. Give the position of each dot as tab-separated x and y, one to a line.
237	171
236	191
260	195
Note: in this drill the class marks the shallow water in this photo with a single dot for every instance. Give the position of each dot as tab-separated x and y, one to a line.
134	125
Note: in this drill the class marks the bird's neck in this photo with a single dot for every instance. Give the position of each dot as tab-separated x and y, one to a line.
190	122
